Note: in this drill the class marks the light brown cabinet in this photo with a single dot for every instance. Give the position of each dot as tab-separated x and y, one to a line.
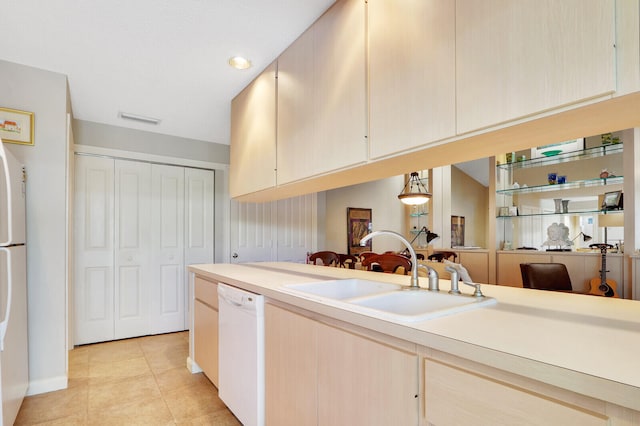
322	109
327	374
253	136
205	327
459	394
515	59
411	74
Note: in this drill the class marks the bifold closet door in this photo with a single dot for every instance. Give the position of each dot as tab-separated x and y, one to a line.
167	242
94	249
133	268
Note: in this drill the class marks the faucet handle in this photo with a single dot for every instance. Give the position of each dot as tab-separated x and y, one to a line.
455	277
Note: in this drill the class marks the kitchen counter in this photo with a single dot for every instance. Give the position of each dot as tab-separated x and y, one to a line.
586	344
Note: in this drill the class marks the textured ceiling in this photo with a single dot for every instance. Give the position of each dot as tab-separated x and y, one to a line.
157	58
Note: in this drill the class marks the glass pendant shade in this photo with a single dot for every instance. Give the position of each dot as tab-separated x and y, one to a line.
414	192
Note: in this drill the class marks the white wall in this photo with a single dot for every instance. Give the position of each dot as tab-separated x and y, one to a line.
45	94
387	213
470	199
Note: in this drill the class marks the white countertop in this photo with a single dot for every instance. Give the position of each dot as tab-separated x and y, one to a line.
587	344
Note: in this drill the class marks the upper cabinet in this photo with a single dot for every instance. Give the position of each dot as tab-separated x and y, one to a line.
253	136
321	96
411	74
518	58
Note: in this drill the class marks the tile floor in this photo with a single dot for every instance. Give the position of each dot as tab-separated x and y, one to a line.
141	381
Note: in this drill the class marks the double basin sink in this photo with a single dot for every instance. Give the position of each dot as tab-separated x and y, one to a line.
387	300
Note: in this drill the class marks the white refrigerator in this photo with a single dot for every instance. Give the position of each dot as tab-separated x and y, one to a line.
14	356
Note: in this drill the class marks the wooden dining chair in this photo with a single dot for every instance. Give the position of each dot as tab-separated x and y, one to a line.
440	256
387	262
347	261
328	258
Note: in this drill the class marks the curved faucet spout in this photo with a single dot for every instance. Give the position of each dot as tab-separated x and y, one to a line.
412	252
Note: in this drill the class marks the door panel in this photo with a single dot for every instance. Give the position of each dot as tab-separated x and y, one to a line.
252	232
133	232
199	225
296	225
94	248
167	221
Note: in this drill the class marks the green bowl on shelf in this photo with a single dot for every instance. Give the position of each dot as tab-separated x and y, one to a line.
552	152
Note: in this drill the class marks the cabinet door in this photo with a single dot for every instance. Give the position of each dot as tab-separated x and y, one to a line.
94	247
321	96
508	266
205	341
411	73
456	397
291	375
253	136
132	255
361	381
167	222
516	58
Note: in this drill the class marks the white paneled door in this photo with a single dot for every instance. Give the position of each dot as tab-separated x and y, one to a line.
94	249
137	226
282	230
133	263
167	241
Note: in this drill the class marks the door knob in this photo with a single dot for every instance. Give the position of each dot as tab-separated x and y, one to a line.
234	255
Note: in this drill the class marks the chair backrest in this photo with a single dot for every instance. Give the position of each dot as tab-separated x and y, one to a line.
329	258
387	262
545	276
440	256
347	261
406	254
366	254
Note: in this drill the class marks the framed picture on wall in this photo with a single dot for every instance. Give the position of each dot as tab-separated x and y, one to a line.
457	231
16	126
358	225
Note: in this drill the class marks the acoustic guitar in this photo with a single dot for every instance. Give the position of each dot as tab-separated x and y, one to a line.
603	286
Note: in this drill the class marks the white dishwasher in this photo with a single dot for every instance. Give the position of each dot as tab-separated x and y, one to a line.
241	353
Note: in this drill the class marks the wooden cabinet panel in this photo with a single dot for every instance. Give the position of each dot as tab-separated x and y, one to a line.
291	360
514	59
508	266
205	329
411	73
321	96
361	381
253	136
457	397
477	264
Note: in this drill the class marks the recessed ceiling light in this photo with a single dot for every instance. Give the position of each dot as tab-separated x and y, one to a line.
136	117
240	63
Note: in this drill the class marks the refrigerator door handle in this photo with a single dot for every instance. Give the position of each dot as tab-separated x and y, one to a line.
7	313
9	206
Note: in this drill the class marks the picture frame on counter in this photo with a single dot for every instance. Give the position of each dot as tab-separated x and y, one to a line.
16	126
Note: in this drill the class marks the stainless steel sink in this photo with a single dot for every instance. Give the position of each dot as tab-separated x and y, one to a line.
386	300
343	289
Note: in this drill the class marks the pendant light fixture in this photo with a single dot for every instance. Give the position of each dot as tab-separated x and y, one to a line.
414	192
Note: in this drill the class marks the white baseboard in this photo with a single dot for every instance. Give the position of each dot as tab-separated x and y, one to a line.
192	366
47	385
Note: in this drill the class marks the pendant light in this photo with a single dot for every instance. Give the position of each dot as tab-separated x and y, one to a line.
414	192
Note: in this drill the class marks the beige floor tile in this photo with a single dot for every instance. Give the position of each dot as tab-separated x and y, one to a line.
118	369
219	418
176	378
193	401
141	381
121	391
148	412
115	351
52	406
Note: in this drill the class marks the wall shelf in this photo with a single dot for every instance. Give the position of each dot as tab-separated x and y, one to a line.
582	154
563	186
575	213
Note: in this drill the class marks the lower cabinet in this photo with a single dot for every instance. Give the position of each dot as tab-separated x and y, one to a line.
460	392
205	328
326	374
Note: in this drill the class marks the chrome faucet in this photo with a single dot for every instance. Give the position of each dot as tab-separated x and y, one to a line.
414	259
